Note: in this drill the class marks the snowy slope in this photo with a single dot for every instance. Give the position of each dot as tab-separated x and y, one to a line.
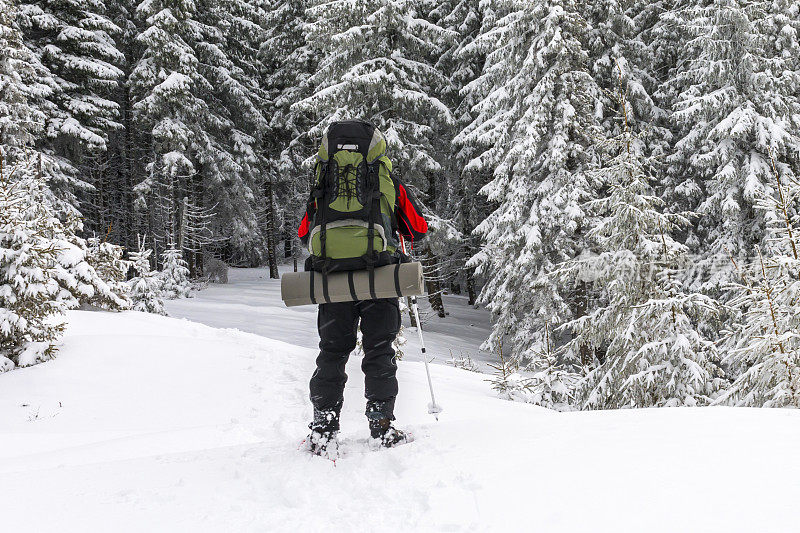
146	423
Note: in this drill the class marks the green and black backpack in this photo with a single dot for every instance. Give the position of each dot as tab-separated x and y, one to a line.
354	220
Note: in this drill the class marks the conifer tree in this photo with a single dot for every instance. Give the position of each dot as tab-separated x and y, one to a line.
20	120
197	102
108	208
75	42
735	101
532	133
470	57
166	107
80	282
106	259
30	308
287	61
463	62
644	325
174	274
765	346
376	63
228	54
145	287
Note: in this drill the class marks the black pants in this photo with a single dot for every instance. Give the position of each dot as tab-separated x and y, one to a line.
337	324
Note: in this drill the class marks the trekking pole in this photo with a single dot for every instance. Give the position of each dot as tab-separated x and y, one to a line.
433	407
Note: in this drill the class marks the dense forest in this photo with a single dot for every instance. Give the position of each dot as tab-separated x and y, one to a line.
617	181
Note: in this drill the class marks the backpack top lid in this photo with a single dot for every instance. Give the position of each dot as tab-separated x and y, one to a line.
354	135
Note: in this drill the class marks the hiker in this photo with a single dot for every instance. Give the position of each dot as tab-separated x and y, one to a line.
354	217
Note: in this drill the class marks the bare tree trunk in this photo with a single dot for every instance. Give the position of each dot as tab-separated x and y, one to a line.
582	304
433	285
473	297
129	228
455	287
197	263
288	245
271	244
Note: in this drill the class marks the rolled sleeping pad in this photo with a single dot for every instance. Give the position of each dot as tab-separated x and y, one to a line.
391	281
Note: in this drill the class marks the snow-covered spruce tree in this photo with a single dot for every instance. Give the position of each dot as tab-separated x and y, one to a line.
174	274
532	132
196	105
765	346
287	62
471	54
444	252
30	308
80	282
463	63
507	381
74	41
167	108
20	119
25	86
376	63
735	100
145	287
228	54
550	383
107	208
619	44
644	326
106	259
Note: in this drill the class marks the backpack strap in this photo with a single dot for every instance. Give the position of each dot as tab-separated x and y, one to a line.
323	234
373	179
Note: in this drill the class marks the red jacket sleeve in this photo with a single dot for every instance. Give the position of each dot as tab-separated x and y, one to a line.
410	221
302	231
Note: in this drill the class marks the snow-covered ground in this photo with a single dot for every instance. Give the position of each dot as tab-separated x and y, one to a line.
146	423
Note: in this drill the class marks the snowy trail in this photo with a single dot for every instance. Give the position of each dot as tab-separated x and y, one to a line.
251	302
147	423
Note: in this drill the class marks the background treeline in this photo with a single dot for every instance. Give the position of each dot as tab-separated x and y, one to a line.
618	180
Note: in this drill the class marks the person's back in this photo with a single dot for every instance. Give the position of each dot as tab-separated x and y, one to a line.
355	216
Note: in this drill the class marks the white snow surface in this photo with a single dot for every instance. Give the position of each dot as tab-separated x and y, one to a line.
148	423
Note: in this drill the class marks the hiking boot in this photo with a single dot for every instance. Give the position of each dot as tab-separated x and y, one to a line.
386	434
380	415
324	443
324	428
